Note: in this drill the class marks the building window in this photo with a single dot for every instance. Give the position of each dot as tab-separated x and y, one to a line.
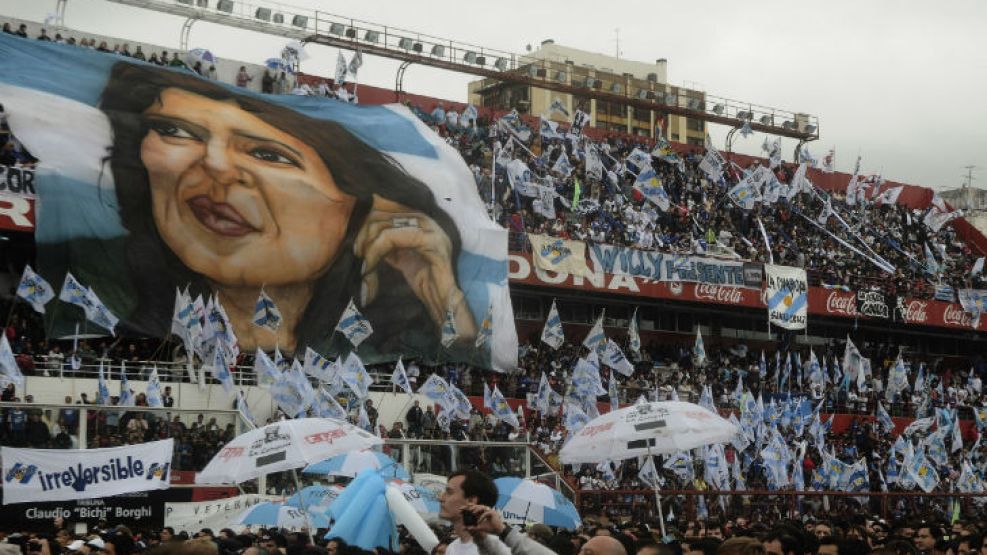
695	124
694	141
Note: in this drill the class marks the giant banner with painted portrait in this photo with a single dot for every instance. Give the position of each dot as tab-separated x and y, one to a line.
154	180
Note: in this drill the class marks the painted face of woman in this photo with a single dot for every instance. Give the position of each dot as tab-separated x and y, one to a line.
236	199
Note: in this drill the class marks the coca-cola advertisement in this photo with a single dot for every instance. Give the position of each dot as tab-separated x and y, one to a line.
719	294
840	303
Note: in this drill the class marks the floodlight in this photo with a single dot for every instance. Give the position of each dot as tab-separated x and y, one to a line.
438	50
718	109
225	6
469	57
300	21
278	18
263	14
765	120
642	93
788	125
337	29
616	88
371	36
501	64
809	128
561	76
406	44
480	60
743	114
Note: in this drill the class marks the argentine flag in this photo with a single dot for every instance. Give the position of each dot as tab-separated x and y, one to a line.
35	290
353	325
266	314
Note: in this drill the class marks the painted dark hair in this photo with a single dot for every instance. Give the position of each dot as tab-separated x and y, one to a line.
358	169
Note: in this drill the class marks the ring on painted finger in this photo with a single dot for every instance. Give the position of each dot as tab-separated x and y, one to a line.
404	222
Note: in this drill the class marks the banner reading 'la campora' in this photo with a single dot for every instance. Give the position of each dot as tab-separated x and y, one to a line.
36	475
154	179
787	296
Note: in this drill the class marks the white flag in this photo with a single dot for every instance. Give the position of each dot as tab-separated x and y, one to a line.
596	335
634	338
353	325
552	334
340	68
400	378
35	290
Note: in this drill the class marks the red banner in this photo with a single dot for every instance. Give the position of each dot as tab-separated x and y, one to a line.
823	302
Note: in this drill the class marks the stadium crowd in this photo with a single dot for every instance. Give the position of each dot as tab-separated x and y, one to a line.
608	209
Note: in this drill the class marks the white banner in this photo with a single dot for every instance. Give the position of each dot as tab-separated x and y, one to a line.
787	296
34	475
192	517
559	255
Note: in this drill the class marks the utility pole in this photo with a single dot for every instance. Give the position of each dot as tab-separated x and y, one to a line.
968	186
616	33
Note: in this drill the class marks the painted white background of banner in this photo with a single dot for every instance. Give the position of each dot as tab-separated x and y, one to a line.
33	475
194	516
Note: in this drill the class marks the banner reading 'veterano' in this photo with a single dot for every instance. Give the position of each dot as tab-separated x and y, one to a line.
154	178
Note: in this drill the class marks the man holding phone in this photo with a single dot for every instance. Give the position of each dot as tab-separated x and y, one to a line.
467	502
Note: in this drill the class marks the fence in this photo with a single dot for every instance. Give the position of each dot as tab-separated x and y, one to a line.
769	506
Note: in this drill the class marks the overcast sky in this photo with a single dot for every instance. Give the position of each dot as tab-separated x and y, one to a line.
901	82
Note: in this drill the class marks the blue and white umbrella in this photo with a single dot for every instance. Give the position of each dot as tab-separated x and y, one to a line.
523	501
280	515
315	499
352	463
424	500
200	55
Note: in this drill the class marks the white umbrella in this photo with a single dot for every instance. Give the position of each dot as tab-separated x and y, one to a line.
280	515
657	428
423	500
282	446
647	429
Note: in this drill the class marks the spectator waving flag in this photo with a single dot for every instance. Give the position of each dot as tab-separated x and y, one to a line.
745	195
10	372
400	377
318	366
562	165
353	325
575	418
542	398
552	334
35	290
435	388
329	407
640	159
266	314
85	298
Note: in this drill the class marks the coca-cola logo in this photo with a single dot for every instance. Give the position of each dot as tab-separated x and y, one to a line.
915	311
840	304
720	294
956	315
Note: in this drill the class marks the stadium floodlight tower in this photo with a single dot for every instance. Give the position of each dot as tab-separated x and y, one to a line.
411	47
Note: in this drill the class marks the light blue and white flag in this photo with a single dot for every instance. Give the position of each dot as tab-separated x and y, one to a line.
10	371
552	334
558	106
449	332
363	420
328	406
96	312
633	336
399	377
435	388
745	195
922	472
103	390
613	356
266	313
221	371
648	474
542	397
699	350
485	333
154	398
244	410
575	418
562	165
548	129
265	371
35	290
884	419
650	187
355	375
787	295
596	336
318	366
353	325
501	409
127	398
640	159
